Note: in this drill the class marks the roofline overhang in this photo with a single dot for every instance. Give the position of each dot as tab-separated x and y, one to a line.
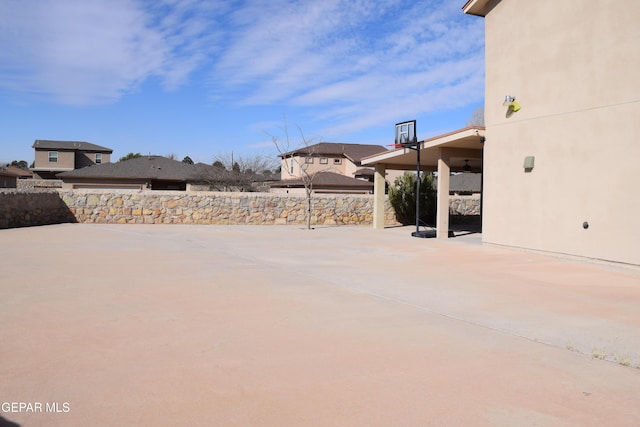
130	177
75	150
51	169
477	7
436	141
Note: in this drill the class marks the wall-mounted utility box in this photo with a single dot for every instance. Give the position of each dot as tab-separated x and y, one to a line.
529	162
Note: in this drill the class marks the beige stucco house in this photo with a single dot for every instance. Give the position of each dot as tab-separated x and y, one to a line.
53	157
343	159
331	168
561	141
9	176
572	66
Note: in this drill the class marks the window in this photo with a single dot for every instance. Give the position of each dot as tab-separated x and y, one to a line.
291	167
308	160
337	161
98	158
324	160
53	157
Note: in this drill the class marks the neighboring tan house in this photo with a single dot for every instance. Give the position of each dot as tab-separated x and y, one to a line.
324	182
140	173
343	159
9	176
561	163
330	167
53	157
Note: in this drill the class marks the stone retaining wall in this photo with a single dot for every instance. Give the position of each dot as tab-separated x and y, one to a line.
464	205
37	184
18	209
174	207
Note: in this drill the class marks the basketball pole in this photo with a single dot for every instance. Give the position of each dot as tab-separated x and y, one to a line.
407	137
417	187
416	146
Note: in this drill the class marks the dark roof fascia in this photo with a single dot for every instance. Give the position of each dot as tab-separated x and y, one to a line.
144	167
330	148
47	145
347	182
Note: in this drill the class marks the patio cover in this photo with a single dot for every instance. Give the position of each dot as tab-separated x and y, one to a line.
445	154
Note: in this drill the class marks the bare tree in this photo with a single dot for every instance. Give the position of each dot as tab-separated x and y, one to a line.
242	172
477	117
215	177
299	157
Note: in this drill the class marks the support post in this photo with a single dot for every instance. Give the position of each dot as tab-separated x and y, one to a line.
417	189
442	215
379	180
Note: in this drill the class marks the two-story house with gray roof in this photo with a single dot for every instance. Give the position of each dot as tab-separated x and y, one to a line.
332	168
54	157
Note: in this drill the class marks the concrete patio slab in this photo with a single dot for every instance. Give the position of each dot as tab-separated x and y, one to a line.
272	326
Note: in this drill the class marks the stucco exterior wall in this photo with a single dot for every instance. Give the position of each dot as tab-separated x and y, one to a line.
66	159
7	181
572	66
131	184
313	167
89	159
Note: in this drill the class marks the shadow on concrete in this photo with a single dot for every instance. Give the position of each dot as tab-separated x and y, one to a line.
18	209
6	423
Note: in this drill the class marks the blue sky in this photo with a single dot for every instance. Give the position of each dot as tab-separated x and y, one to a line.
203	78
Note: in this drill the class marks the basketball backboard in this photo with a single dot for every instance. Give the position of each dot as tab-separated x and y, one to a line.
406	134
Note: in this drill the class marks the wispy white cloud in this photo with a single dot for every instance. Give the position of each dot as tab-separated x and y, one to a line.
348	64
359	63
84	52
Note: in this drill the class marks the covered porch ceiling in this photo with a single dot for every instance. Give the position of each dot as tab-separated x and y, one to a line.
460	145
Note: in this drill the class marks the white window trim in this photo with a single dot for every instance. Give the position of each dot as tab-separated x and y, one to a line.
53	155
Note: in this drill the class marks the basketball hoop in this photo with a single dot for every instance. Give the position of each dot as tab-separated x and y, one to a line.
406	137
406	134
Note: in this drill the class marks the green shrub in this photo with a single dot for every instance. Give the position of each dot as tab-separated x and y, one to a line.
402	196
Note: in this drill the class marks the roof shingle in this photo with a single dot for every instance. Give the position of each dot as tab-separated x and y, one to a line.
353	152
144	167
325	179
45	144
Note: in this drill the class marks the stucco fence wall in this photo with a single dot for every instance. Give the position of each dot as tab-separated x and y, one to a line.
19	209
